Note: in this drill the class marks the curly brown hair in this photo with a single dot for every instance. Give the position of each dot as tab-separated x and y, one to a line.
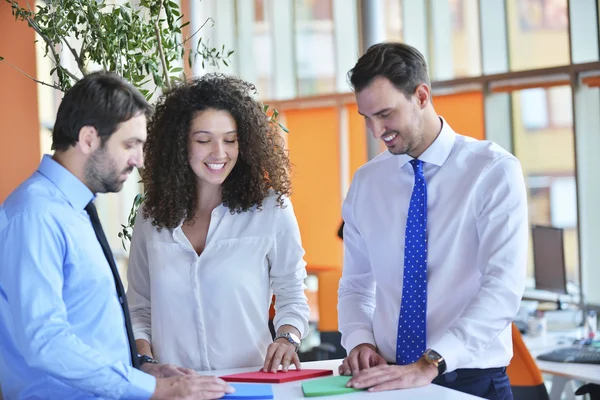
168	178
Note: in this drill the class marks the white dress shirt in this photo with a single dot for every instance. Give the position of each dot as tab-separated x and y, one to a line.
211	311
477	250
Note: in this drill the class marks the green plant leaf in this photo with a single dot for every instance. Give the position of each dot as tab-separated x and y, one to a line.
121	38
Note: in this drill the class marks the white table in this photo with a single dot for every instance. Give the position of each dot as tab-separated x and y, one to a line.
293	390
563	374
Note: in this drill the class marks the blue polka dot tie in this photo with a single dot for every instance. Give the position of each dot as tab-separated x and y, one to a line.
412	321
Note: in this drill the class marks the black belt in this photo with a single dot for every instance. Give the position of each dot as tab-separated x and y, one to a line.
466	373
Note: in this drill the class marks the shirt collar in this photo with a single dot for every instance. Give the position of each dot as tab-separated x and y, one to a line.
75	191
439	151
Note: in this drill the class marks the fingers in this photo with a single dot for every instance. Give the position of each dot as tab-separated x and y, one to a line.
353	361
269	357
364	358
287	360
372	377
211	387
296	361
172	370
278	357
344	369
379	360
186	371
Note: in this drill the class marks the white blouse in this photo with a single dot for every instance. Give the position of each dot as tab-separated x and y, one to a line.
211	311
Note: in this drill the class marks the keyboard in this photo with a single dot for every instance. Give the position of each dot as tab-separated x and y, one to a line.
573	354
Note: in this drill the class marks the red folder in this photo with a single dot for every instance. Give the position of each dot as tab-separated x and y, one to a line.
277	377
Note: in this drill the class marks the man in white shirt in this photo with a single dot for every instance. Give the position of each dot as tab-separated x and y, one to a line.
435	242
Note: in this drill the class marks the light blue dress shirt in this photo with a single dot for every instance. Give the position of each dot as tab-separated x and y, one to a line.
62	331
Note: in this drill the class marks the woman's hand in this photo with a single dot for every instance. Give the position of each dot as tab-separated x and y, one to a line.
281	352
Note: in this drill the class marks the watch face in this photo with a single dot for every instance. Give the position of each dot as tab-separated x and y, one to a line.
294	338
433	356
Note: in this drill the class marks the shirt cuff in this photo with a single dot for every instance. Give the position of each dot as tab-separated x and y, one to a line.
141	385
453	351
296	323
141	333
357	337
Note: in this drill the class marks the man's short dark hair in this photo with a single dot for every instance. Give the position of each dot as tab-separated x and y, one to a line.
401	64
102	100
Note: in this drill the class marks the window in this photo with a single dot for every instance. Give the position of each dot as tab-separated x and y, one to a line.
315	61
538	35
263	51
393	20
547	108
542	15
455	45
466	52
544	144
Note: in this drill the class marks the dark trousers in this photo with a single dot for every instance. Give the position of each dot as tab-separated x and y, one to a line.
491	383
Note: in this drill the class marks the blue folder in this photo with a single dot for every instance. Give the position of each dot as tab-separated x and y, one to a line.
250	391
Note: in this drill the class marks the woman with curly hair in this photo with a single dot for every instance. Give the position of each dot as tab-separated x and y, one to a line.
216	236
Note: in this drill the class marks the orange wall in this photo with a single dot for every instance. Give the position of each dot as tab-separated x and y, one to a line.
314	151
19	122
463	111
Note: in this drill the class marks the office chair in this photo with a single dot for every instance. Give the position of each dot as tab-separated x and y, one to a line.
525	377
592	389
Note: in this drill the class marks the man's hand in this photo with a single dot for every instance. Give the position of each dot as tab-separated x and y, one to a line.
361	357
281	352
165	370
188	387
389	377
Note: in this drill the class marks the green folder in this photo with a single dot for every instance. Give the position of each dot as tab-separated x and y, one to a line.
327	386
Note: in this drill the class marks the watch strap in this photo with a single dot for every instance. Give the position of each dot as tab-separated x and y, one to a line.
288	337
143	359
434	358
441	367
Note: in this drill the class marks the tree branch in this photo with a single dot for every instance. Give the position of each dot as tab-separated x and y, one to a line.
51	45
29	76
198	30
77	57
82	52
98	31
161	52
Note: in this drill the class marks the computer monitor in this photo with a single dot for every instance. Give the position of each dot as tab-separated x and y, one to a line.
549	259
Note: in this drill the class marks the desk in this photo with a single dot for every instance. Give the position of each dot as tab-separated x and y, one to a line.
293	390
563	374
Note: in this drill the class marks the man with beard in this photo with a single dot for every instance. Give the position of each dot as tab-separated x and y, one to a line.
435	242
65	330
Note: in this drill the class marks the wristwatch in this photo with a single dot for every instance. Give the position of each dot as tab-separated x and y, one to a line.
434	358
143	359
290	337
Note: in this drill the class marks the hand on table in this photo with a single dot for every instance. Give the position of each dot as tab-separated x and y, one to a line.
188	387
389	377
165	370
281	352
361	357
